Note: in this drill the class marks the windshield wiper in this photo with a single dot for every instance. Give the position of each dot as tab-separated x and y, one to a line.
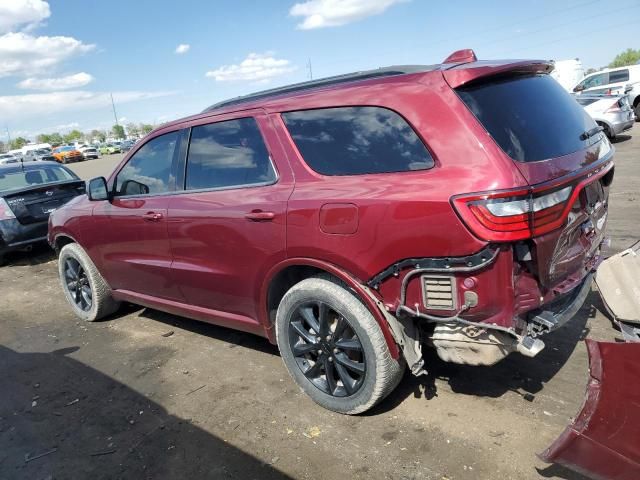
591	133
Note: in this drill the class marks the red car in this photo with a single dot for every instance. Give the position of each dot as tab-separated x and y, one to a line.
353	219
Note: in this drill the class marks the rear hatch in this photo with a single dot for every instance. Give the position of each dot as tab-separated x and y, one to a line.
557	147
34	204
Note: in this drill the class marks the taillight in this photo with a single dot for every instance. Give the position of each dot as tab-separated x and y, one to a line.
615	107
514	214
5	211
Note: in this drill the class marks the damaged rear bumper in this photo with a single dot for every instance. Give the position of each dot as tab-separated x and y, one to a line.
603	442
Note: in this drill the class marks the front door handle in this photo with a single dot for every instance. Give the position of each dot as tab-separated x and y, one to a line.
260	216
152	216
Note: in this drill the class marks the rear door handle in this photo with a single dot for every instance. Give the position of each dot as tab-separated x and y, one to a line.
152	216
260	216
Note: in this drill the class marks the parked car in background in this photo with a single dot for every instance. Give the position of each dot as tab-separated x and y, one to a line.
127	145
612	112
109	149
337	218
614	81
35	146
6	158
29	192
89	151
39	155
67	154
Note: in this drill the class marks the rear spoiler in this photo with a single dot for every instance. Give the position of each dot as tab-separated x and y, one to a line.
465	73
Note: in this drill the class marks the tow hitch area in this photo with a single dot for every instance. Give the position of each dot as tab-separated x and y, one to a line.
603	442
618	280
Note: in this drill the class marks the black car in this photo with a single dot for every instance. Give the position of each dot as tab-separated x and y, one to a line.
29	192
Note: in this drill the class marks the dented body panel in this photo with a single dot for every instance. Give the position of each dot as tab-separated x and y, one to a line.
603	442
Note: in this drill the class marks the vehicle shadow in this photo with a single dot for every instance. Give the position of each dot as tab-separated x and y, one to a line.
516	373
61	419
36	254
621	138
233	337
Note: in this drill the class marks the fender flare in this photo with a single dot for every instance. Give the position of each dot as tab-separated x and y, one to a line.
351	281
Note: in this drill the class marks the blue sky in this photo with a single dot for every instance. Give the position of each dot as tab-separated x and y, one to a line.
60	60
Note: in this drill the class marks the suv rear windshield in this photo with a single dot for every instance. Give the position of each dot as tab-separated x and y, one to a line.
532	118
356	141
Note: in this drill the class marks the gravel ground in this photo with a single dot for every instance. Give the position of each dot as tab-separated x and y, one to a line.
150	395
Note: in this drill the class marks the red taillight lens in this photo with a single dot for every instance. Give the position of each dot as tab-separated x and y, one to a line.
616	107
5	211
513	215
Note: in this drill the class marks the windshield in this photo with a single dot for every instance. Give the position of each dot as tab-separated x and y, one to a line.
531	117
17	178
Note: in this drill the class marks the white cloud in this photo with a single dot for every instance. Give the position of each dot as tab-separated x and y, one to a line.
260	67
62	83
333	13
182	48
39	104
21	53
22	13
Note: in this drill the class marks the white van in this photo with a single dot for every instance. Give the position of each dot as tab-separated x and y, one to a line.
35	146
614	81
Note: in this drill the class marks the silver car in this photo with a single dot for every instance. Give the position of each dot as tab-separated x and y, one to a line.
611	112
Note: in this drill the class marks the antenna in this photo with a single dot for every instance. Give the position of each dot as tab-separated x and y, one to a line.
310	70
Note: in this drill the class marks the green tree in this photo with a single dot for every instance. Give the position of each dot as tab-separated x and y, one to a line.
118	131
132	129
590	71
73	136
146	128
17	143
628	57
100	135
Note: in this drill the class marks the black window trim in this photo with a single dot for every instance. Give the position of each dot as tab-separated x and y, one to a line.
174	166
349	105
185	155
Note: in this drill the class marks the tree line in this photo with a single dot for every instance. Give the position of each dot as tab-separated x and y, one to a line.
117	131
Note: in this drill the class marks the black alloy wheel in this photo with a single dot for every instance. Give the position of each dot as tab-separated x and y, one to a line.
77	284
326	349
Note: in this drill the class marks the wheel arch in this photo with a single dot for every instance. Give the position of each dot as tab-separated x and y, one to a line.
62	239
291	271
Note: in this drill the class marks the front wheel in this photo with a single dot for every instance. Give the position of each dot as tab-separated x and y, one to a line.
333	347
83	286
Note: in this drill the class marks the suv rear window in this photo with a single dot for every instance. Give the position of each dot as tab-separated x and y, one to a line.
356	141
532	118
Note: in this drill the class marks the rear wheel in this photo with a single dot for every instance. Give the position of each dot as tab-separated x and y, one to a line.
333	347
83	286
636	109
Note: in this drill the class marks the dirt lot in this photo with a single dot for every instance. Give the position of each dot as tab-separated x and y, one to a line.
150	395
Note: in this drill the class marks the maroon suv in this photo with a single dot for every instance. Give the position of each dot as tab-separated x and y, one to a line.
353	219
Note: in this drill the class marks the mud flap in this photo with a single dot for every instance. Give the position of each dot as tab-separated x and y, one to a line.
618	281
603	442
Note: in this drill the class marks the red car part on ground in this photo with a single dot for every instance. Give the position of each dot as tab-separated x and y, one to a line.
603	442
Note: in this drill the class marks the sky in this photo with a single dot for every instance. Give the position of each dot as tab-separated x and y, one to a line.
61	60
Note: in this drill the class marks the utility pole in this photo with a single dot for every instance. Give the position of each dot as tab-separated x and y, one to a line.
114	110
310	70
8	137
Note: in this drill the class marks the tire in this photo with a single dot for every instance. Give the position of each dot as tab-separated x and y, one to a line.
346	314
102	303
636	109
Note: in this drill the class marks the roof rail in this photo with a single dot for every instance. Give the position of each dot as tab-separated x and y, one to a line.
324	82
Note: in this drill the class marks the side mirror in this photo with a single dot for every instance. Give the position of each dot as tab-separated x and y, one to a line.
578	88
131	187
98	189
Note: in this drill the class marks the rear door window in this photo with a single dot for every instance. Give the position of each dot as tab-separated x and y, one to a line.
619	76
531	117
228	154
356	141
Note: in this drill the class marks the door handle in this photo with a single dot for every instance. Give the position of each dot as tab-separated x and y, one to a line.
152	216
260	216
